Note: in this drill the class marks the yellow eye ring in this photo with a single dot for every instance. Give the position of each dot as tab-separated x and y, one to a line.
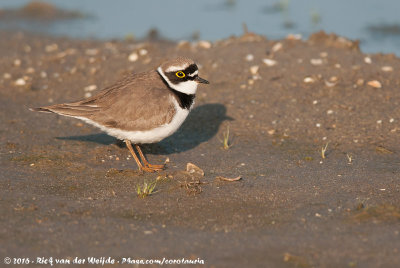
180	74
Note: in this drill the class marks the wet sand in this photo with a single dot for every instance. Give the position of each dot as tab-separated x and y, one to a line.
68	190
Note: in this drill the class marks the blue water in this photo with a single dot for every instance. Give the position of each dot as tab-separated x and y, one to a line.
217	19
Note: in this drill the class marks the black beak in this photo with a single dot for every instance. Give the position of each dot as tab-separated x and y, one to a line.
198	79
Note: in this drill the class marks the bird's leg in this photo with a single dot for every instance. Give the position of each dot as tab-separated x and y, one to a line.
141	167
146	163
129	146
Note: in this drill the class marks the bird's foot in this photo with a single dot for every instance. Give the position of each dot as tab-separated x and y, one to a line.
152	168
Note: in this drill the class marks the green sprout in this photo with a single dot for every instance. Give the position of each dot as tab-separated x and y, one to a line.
323	150
146	189
226	143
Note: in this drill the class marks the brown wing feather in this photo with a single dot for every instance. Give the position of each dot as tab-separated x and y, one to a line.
138	102
68	109
141	103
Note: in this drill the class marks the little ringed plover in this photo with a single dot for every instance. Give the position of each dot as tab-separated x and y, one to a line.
141	108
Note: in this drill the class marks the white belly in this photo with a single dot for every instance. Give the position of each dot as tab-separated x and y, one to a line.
148	136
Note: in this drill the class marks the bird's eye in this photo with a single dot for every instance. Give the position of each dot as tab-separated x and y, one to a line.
180	74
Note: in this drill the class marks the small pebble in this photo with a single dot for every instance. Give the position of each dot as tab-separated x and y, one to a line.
6	76
20	82
30	70
315	102
254	69
379	122
183	43
360	82
330	84
90	88
367	60
43	74
374	84
17	62
270	62
204	44
133	57
318	125
88	95
51	48
316	62
338	66
148	60
143	52
391	120
329	112
91	51
275	48
323	54
249	57
309	80
387	68
62	54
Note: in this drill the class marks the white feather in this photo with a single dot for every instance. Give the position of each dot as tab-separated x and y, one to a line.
187	87
194	73
176	68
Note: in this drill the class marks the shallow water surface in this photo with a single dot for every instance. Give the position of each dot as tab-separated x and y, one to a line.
375	23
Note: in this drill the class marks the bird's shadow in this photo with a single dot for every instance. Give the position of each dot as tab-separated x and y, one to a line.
201	125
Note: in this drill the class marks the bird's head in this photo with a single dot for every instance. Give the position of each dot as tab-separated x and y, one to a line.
181	74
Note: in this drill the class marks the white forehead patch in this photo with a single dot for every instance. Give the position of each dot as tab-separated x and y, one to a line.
194	73
176	68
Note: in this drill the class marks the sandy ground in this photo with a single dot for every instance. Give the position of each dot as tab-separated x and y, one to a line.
67	190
